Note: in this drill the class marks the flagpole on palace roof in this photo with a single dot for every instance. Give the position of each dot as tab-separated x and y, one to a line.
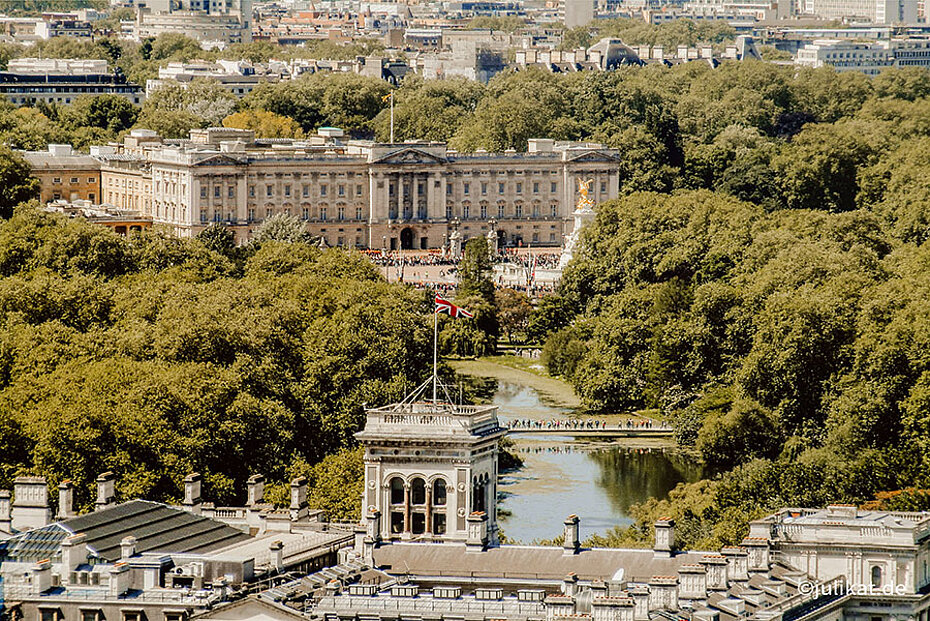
435	352
392	142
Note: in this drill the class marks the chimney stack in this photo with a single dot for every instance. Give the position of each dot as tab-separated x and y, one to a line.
298	498
572	541
570	585
73	552
65	500
368	551
127	548
256	490
119	579
106	490
373	526
665	538
192	499
477	532
5	511
30	507
277	556
42	576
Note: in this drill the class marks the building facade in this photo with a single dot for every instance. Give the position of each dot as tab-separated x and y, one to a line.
431	471
870	58
64	174
30	80
356	194
219	22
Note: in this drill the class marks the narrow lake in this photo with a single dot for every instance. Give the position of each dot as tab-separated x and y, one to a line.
597	480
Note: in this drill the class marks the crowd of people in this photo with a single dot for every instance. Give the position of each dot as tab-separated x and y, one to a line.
572	424
567	449
541	261
393	259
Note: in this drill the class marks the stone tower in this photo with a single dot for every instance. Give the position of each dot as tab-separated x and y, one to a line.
429	467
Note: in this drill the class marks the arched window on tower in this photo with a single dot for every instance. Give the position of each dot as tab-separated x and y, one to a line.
876	576
439	492
397	491
418	492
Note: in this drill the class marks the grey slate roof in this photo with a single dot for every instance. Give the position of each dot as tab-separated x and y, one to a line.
156	527
529	562
34	545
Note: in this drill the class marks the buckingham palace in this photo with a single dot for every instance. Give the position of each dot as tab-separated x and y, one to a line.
354	193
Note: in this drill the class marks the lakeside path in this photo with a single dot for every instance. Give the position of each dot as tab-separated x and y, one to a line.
554	391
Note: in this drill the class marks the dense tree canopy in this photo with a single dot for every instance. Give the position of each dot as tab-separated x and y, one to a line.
154	357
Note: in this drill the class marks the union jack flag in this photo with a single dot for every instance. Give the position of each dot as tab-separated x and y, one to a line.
447	307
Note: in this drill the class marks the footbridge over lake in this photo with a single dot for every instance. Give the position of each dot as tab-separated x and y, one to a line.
589	430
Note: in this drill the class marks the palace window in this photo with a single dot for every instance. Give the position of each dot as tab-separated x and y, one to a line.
518	208
465	188
484	212
439	523
323	189
876	576
359	190
322	213
519	188
535	187
501	210
231	191
305	214
553	186
439	492
216	191
418	492
92	615
342	190
203	191
397	522
500	188
252	191
287	190
269	190
417	523
484	188
358	213
397	491
305	191
340	213
465	210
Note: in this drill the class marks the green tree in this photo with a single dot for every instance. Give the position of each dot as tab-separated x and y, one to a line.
265	124
16	180
281	227
513	312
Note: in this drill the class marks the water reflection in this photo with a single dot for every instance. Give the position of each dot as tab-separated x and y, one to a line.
597	480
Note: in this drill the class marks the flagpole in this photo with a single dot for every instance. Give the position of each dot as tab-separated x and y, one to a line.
392	132
435	352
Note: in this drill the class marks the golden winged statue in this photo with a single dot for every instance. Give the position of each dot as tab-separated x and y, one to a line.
584	188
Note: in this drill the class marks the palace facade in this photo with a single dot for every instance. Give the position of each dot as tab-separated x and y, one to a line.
358	194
